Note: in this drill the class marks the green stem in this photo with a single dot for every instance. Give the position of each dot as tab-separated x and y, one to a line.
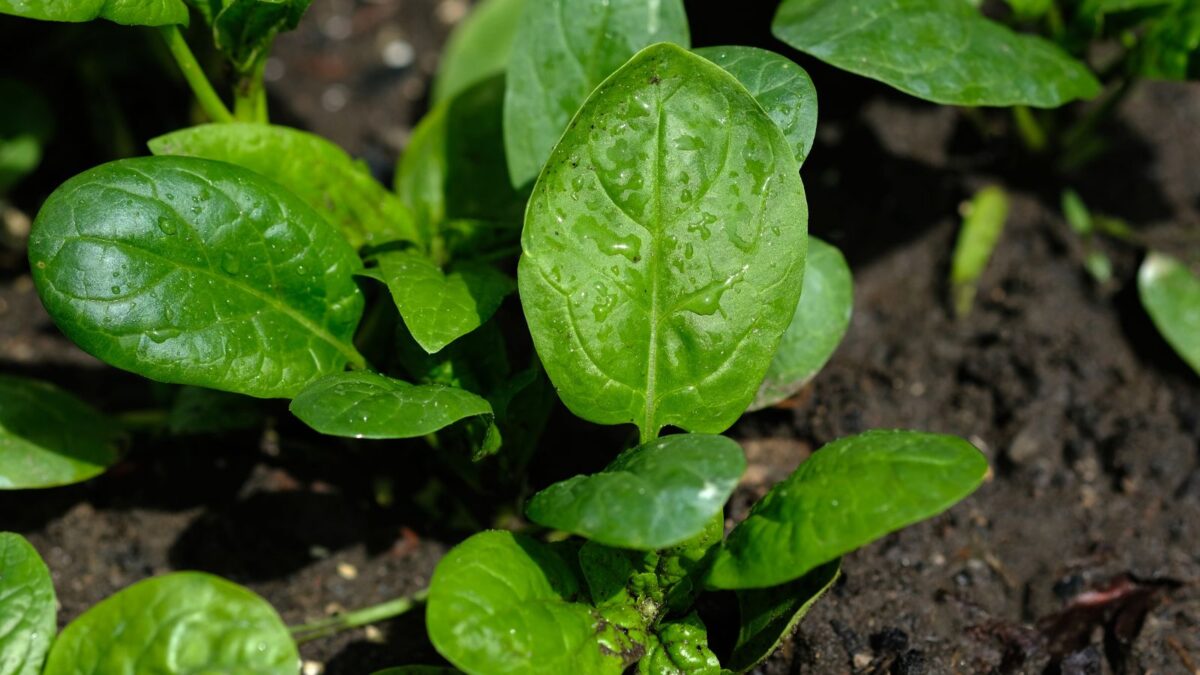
250	96
362	617
1029	129
194	74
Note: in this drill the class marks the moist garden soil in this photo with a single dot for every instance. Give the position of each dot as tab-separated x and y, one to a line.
1080	554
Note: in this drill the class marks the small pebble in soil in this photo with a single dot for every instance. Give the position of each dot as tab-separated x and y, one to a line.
347	571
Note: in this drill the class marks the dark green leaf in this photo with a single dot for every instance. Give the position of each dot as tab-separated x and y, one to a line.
185	622
206	411
563	49
769	615
244	29
192	271
26	123
846	495
943	51
983	223
141	13
1171	295
50	438
27	607
680	647
478	48
664	248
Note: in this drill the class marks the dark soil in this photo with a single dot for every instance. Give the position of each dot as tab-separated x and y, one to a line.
1081	554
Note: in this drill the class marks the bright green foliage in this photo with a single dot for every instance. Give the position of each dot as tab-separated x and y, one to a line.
769	615
141	13
185	622
1171	295
977	238
317	171
821	319
365	405
26	124
943	51
846	495
562	50
1170	48
50	438
27	607
680	647
192	271
664	248
478	48
780	86
1030	9
653	496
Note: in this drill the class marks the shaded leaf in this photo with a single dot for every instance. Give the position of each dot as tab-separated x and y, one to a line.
26	124
141	13
478	48
1171	295
768	616
27	607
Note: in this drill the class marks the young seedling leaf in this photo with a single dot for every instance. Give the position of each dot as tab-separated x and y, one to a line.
846	495
191	271
977	238
780	86
26	124
142	13
680	646
505	603
821	319
50	438
661	224
244	29
27	607
651	497
365	405
187	622
322	174
943	51
562	50
478	48
1171	295
769	615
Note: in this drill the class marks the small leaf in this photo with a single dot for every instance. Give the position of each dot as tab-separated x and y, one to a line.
50	438
505	603
26	124
27	607
680	647
185	622
365	405
1171	295
780	86
821	319
141	13
943	51
653	496
322	174
562	50
983	223
244	29
846	495
191	271
478	48
770	615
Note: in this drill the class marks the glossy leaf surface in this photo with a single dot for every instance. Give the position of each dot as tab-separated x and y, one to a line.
478	48
192	271
943	51
680	646
27	607
846	495
1171	295
562	50
768	616
141	13
664	248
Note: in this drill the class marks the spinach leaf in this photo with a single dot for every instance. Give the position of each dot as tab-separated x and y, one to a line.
821	319
769	615
780	86
187	622
142	13
365	405
26	124
50	438
27	607
478	48
982	226
680	647
562	50
661	223
1171	295
846	495
653	496
943	51
505	603
191	271
244	29
322	174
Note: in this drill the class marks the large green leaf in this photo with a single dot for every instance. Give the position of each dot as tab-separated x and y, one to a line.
769	615
846	495
27	607
1171	295
50	438
505	603
317	171
780	86
26	123
943	51
185	622
664	248
679	647
192	271
653	496
478	48
821	319
140	13
563	49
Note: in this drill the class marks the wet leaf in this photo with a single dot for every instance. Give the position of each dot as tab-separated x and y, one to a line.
1171	295
142	13
27	607
770	615
680	646
191	271
664	248
478	48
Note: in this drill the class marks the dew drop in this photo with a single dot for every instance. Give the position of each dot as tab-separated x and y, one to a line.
230	263
166	225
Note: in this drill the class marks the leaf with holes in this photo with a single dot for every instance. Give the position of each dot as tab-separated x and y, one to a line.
1170	292
27	607
141	13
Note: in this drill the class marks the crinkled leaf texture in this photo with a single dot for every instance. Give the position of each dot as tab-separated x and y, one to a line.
187	622
192	271
27	607
478	48
769	615
128	12
943	51
562	50
664	248
651	497
680	646
1171	295
846	495
505	603
49	438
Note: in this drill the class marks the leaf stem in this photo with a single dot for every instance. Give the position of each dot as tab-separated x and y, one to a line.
361	617
1030	131
194	74
250	96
